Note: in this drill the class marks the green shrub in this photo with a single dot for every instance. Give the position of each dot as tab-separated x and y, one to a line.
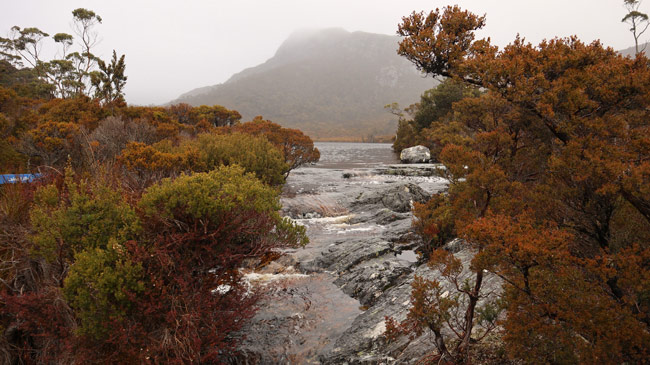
210	200
101	288
80	216
254	153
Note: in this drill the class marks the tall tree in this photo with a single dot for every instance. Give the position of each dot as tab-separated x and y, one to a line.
83	22
70	72
26	44
637	20
109	81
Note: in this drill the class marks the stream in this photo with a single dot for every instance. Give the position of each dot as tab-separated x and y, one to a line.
355	205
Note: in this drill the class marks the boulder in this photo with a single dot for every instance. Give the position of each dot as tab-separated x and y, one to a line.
401	198
417	154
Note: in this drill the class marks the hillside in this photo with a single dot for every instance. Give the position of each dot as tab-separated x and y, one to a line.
631	50
331	83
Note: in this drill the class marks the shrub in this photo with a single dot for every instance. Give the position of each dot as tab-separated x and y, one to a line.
202	201
254	153
101	288
79	216
296	147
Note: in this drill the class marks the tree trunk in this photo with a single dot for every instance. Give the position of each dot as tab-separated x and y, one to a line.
463	346
440	344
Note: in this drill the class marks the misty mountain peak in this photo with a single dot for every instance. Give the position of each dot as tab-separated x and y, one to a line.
330	83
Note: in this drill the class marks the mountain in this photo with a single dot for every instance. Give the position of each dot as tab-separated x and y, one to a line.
331	84
632	50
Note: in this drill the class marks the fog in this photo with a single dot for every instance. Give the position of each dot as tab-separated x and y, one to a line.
174	46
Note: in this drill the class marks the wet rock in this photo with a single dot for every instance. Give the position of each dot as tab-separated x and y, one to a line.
344	254
355	271
310	206
296	320
287	260
386	216
401	198
398	198
417	154
370	279
411	171
456	245
364	339
380	216
272	268
400	233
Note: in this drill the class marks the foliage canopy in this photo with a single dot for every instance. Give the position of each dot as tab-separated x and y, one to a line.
548	176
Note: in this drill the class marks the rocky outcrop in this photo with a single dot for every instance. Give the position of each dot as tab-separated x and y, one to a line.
398	198
363	342
417	154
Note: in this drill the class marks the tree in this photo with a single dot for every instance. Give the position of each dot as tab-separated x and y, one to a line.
26	44
433	121
439	41
436	104
206	152
79	217
406	134
113	134
60	71
102	288
182	112
436	309
638	21
65	40
52	142
25	82
109	81
549	182
70	73
149	163
254	153
95	274
84	22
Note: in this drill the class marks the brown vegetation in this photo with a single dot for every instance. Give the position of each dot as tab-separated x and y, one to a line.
549	172
128	247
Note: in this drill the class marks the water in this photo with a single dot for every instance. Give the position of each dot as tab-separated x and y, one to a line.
339	155
408	255
305	312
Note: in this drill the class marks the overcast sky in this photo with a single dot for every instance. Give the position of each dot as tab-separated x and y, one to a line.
174	46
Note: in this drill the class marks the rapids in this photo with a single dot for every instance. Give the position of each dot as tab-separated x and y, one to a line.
308	305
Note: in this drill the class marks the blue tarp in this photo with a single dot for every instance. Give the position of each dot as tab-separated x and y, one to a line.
12	179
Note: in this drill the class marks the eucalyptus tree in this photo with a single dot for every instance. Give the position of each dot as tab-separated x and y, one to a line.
637	20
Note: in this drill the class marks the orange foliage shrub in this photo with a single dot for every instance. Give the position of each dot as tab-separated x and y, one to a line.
296	147
81	110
